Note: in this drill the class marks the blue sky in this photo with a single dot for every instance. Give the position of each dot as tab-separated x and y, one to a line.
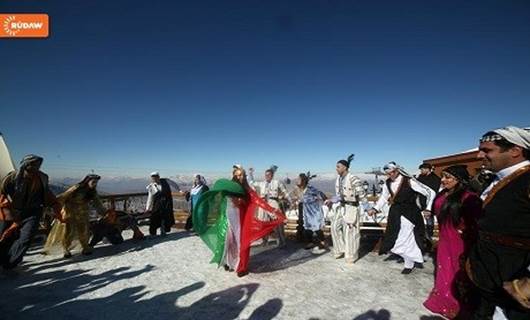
126	87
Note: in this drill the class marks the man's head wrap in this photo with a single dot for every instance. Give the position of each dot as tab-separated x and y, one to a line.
425	166
348	161
518	136
28	160
391	166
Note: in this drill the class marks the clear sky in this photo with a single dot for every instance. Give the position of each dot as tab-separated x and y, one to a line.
126	87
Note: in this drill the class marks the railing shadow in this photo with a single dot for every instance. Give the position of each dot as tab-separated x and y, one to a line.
275	259
105	250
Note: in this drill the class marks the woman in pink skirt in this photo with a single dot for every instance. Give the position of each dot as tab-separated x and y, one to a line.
457	211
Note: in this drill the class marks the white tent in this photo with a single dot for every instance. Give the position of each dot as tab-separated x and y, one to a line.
6	163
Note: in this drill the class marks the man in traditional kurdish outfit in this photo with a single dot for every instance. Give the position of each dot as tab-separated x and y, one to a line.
431	180
160	204
24	195
345	223
312	215
76	217
225	219
272	191
499	263
405	230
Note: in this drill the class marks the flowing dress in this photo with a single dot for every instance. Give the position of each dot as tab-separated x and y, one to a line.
313	216
76	213
450	296
225	219
194	196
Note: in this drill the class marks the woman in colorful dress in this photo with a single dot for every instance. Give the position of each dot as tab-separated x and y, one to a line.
311	206
75	214
457	211
225	220
193	196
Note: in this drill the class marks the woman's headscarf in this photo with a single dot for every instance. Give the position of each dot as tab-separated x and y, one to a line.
84	184
459	172
198	187
89	177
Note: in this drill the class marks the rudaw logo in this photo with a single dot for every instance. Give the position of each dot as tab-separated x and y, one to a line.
9	28
24	25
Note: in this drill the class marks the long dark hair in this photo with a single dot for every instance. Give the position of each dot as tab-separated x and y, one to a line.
244	183
83	185
452	207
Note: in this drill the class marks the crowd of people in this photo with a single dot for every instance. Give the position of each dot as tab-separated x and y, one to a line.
482	259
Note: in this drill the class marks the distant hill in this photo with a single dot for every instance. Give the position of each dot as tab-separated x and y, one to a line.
112	185
57	189
325	182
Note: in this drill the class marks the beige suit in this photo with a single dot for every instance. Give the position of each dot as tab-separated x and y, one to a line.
271	192
345	224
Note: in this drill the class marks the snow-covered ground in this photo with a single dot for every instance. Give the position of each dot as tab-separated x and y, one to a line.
170	278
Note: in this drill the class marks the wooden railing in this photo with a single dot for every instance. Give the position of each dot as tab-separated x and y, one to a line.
123	201
135	203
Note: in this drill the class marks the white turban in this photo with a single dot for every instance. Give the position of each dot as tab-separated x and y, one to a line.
515	135
391	166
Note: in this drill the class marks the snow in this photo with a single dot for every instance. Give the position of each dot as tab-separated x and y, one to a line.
170	278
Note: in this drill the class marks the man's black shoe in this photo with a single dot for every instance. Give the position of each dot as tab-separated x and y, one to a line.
407	271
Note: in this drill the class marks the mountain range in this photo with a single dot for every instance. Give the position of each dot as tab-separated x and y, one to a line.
112	185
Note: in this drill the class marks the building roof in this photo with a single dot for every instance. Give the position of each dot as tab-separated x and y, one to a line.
454	154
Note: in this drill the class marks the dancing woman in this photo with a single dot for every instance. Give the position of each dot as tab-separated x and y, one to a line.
225	219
